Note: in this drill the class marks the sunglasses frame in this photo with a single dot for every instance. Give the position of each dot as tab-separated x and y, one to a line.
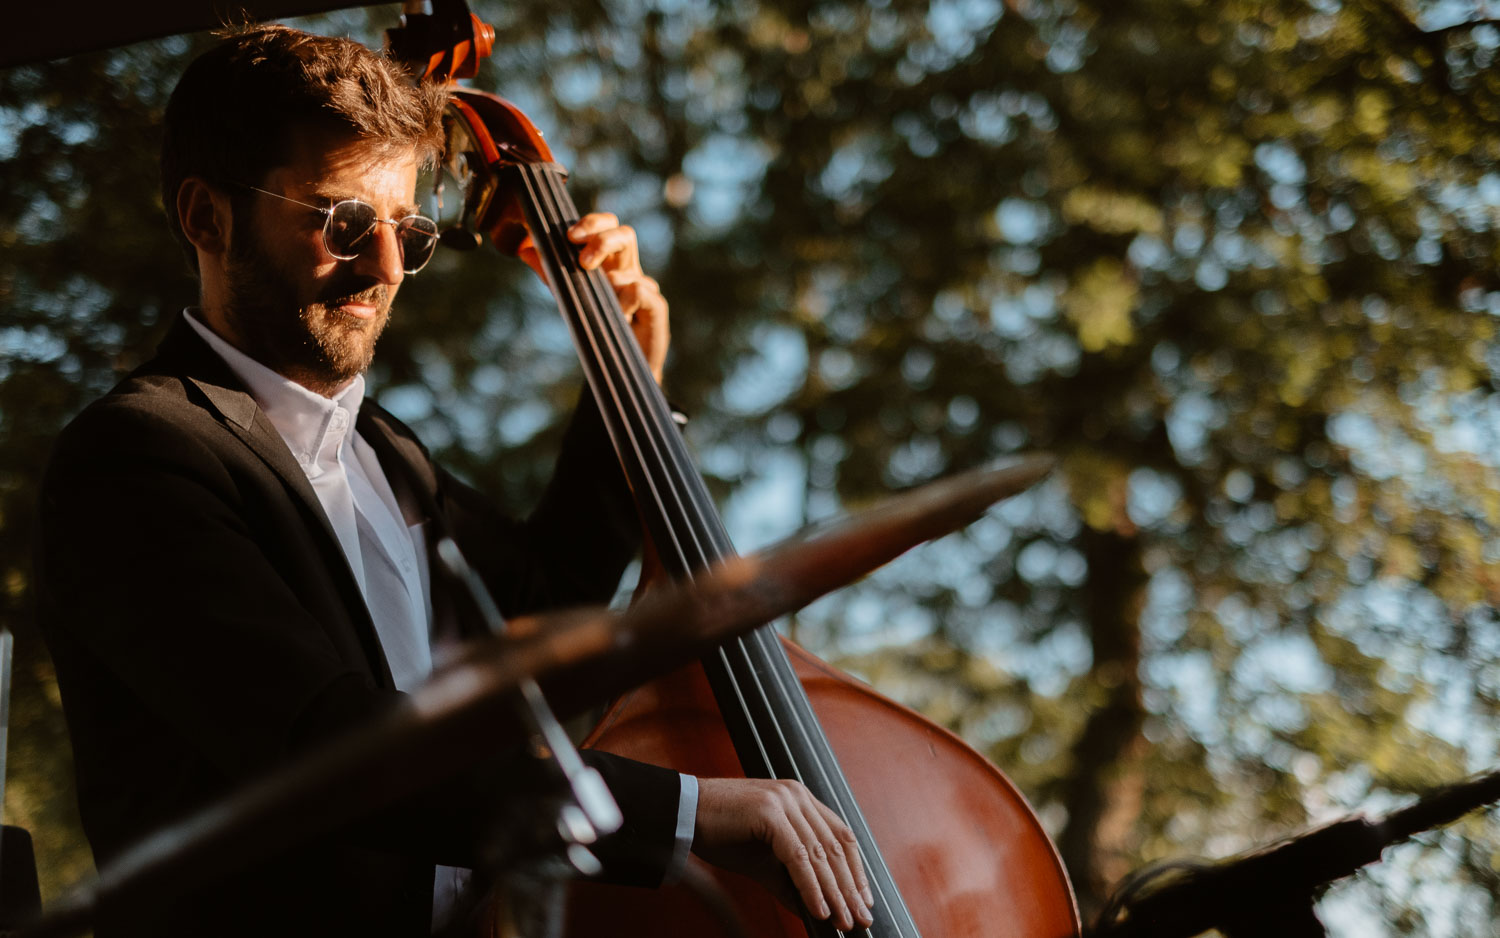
396	223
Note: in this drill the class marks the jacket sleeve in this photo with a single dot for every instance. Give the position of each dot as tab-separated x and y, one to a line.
573	547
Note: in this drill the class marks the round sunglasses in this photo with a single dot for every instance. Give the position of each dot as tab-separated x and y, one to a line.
346	232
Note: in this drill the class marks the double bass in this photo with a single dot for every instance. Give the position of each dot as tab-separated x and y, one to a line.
948	843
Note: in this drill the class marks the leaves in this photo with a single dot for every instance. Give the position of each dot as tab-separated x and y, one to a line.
1234	262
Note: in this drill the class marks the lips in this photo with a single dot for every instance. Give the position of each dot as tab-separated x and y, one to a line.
359	310
365	304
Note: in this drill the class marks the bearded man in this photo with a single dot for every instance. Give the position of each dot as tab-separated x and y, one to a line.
234	560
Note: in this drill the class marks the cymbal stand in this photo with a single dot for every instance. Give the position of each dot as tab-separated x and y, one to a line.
538	857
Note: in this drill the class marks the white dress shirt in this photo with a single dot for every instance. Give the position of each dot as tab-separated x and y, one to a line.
387	557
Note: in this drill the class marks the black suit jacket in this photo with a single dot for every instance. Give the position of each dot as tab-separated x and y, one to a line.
206	628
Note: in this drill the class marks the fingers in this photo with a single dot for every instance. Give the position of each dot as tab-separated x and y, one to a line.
636	293
818	862
809	841
608	246
605	243
849	868
646	311
592	224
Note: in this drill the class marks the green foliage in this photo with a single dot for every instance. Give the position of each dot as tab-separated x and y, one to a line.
1233	262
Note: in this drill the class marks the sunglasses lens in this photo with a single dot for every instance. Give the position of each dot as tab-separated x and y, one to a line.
350	223
348	226
418	239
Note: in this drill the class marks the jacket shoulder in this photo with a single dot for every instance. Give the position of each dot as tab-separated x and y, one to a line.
152	417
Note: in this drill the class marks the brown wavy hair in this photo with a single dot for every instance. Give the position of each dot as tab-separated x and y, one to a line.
233	114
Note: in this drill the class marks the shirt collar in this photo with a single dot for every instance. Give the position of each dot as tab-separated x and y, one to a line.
314	427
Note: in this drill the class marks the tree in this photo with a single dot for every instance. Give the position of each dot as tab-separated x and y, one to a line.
1233	263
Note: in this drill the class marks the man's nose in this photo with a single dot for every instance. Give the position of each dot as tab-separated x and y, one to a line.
381	255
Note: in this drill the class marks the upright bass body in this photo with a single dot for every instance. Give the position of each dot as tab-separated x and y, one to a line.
950	846
967	852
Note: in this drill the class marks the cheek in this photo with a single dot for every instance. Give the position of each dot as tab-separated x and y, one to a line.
294	252
309	267
312	255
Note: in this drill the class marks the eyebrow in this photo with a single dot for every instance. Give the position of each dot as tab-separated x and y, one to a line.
334	197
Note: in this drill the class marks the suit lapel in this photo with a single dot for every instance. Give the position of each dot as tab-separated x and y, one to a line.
183	353
248	422
414	481
407	467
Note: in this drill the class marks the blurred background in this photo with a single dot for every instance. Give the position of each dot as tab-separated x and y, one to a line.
1235	262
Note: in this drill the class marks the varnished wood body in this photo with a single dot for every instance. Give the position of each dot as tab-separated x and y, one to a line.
967	851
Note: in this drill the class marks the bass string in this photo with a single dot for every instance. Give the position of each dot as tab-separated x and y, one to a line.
634	397
625	374
836	786
623	353
549	228
627	377
601	326
624	385
834	783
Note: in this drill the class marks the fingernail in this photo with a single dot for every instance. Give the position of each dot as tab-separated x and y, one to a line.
823	910
868	896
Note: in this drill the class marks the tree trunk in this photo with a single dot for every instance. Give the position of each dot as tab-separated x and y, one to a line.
1104	792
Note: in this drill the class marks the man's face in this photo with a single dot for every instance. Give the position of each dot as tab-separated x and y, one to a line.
294	307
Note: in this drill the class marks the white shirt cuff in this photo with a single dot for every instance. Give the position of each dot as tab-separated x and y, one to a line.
687	813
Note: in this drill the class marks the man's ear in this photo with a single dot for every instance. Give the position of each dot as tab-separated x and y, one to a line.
205	215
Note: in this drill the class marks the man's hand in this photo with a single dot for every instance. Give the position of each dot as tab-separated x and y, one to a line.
609	246
763	827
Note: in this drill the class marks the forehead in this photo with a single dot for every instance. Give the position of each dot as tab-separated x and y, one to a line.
341	165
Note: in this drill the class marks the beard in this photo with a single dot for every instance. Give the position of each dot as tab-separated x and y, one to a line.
315	344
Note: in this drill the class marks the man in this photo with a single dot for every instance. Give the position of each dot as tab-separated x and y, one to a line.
233	565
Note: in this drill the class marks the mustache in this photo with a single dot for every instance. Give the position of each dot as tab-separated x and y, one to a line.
340	293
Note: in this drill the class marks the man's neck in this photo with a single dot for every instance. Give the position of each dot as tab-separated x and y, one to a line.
219	324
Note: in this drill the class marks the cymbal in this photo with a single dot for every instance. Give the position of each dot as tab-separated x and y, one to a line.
824	557
466	709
